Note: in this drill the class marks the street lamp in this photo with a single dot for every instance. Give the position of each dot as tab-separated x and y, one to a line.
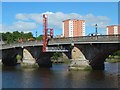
96	29
36	34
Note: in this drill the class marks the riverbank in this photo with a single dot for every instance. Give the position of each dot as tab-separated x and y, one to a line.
113	60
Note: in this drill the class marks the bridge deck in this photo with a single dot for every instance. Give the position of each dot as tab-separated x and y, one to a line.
68	40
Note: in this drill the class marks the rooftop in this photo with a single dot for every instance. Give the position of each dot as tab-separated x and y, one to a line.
113	25
73	20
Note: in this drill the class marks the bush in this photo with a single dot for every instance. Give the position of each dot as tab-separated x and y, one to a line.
18	57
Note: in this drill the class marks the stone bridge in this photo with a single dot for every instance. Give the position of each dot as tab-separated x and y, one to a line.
93	49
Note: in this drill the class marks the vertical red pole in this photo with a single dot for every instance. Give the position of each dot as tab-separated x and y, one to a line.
51	32
45	30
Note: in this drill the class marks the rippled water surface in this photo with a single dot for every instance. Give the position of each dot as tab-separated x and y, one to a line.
59	77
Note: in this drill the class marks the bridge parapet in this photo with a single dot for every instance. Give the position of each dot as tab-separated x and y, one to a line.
82	39
22	44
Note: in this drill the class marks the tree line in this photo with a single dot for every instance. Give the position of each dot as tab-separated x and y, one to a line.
16	36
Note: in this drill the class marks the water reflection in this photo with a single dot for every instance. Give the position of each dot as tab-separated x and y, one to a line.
58	77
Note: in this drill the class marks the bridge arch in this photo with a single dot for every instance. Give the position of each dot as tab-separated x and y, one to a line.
97	53
9	56
42	58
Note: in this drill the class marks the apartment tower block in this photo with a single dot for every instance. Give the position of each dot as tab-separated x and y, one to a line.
113	29
73	28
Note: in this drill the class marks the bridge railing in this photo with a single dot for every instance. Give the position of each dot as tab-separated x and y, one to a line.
20	44
99	38
57	49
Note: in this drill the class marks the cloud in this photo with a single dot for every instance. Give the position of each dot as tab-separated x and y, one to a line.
29	22
22	16
18	26
55	19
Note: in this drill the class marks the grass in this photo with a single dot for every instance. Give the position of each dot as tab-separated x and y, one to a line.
113	60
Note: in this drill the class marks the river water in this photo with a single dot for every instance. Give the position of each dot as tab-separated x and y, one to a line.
59	77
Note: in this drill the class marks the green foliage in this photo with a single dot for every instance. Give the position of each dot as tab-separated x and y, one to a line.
9	37
15	36
39	37
56	55
117	53
115	57
18	57
27	35
112	60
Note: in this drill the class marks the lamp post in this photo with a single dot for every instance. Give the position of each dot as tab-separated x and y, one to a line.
36	34
96	29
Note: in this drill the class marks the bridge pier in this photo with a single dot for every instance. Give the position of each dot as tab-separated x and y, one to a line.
79	65
44	60
98	66
78	62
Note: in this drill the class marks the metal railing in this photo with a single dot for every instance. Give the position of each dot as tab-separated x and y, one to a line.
99	38
56	49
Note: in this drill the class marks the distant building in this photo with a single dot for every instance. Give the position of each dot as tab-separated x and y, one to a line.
73	28
58	36
113	29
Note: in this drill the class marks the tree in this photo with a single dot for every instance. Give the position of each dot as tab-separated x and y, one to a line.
16	35
9	37
39	37
4	37
21	34
56	55
117	53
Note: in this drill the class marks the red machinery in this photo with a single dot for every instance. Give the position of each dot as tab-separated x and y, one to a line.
51	32
46	35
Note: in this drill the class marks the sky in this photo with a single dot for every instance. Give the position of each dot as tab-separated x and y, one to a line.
27	16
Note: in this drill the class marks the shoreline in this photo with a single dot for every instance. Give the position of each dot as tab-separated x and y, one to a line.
112	60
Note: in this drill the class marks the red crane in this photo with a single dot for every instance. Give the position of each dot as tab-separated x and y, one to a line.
46	35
